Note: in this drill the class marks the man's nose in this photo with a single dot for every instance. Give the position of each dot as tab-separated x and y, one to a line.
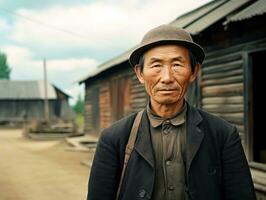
167	75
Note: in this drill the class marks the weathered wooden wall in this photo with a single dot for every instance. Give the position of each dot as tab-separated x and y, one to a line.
114	100
222	87
138	94
91	109
225	87
21	110
105	106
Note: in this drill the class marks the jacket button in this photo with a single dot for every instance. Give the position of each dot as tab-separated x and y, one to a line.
142	193
171	187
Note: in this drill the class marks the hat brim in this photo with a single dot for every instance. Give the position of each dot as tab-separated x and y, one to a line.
197	51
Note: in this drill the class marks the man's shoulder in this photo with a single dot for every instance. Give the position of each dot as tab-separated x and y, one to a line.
120	129
215	121
216	127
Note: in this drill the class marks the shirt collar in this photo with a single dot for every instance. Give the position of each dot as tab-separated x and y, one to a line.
177	119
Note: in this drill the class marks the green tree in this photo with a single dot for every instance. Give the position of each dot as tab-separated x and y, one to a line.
79	106
4	68
79	110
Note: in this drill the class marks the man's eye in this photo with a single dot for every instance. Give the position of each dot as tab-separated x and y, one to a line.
176	65
155	66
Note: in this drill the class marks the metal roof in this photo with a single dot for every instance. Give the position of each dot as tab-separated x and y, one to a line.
257	8
215	15
194	22
25	90
188	18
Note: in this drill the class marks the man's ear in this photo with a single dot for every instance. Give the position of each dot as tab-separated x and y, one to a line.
195	73
139	73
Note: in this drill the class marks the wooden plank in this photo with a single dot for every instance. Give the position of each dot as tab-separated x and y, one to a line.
137	89
227	80
240	128
223	100
235	72
217	57
140	100
235	118
223	90
139	105
224	108
223	67
138	95
236	50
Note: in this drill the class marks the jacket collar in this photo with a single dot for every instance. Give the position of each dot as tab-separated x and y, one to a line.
194	137
144	143
176	120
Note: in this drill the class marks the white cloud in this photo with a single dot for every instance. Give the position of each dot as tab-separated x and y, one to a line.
3	25
75	91
98	25
22	64
107	25
71	64
62	72
21	58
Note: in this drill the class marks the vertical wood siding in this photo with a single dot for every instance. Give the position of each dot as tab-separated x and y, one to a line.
92	110
88	111
105	106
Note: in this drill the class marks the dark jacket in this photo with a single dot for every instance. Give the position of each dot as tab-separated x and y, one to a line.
216	166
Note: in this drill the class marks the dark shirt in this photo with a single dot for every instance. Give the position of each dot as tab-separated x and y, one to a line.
168	139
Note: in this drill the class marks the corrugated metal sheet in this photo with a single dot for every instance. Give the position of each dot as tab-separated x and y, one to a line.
190	17
257	8
25	90
212	17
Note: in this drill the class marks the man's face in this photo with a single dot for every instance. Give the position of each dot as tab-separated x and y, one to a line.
166	73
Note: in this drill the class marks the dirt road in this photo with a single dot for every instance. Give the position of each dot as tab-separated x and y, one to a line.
40	170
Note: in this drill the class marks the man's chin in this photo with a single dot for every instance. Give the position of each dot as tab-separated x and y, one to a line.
169	101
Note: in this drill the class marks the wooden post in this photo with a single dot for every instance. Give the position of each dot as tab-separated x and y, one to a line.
46	102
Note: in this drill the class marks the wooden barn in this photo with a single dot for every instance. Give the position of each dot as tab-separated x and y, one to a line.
231	83
24	100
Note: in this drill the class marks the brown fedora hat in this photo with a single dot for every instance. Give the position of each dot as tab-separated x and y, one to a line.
166	34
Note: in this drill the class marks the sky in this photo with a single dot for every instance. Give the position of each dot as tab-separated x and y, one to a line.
74	37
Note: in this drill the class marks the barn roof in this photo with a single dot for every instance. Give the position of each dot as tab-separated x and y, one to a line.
196	21
255	9
26	90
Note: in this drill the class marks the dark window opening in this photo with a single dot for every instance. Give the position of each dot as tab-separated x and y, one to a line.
258	65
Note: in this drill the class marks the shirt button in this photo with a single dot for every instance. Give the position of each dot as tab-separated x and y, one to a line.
171	187
142	193
168	162
167	121
166	131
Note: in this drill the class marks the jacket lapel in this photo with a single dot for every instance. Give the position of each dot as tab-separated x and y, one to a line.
194	135
144	144
194	138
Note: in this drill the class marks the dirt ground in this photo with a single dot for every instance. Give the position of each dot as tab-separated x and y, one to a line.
40	170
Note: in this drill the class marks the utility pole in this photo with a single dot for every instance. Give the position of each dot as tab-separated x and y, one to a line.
46	102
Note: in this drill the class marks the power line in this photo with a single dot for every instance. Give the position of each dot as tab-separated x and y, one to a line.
44	24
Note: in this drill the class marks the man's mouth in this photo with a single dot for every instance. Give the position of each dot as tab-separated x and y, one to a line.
167	89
